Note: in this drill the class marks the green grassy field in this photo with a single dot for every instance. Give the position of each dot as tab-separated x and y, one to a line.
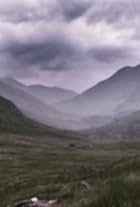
48	163
53	167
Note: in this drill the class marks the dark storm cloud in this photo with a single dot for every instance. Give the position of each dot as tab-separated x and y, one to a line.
53	53
110	54
44	10
44	52
59	54
74	8
114	12
63	36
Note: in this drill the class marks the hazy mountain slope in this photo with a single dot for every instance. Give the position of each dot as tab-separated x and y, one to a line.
13	121
125	128
46	94
132	103
37	110
14	83
30	105
103	98
51	95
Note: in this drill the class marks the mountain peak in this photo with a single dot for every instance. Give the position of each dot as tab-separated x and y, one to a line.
104	97
128	69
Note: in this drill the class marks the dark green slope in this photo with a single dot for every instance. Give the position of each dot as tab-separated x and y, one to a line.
13	121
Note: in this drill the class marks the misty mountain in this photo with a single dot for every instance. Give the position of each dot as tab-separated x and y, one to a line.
51	95
36	109
104	98
98	121
13	121
121	129
14	83
30	105
132	103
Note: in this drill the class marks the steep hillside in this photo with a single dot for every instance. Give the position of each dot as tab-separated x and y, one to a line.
27	103
37	110
12	120
104	98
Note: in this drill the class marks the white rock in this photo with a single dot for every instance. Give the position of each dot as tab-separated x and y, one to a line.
34	200
51	202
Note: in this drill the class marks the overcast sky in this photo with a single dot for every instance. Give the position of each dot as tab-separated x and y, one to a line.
68	43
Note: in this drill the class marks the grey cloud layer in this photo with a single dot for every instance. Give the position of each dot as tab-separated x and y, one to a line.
60	35
35	10
114	12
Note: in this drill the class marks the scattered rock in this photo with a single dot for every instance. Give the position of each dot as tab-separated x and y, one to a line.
84	186
25	203
52	202
34	202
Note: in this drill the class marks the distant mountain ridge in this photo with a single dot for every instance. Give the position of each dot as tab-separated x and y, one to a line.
103	98
36	109
51	95
13	121
114	97
28	104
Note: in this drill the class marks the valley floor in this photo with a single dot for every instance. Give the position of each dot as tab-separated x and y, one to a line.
54	168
